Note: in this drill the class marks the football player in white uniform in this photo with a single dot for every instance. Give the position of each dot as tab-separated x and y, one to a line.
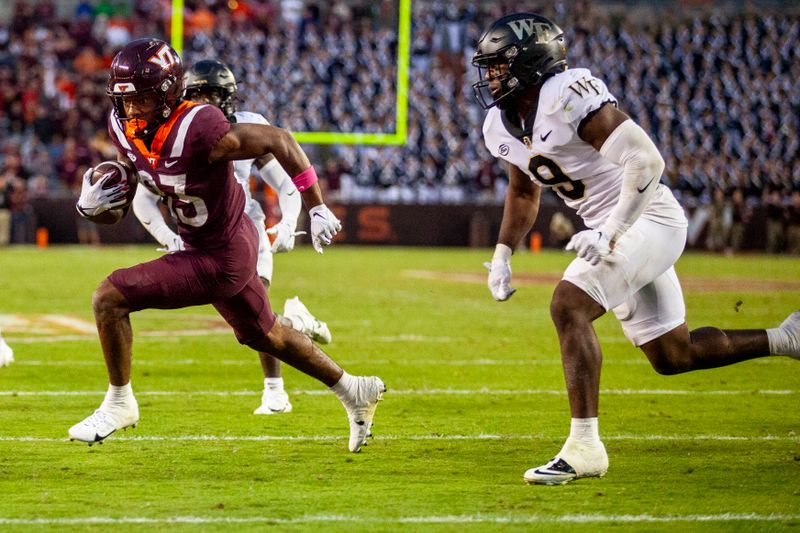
561	128
212	82
6	353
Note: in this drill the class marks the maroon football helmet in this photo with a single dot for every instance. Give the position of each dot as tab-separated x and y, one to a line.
142	66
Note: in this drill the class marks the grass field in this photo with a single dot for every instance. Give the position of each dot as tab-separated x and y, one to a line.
476	396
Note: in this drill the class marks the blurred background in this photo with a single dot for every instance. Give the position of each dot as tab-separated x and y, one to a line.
714	83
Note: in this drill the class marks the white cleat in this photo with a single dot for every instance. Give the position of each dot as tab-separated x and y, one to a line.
103	422
361	410
791	330
274	402
6	353
574	461
317	330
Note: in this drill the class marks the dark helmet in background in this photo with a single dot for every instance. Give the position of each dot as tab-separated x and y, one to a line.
211	76
530	45
146	66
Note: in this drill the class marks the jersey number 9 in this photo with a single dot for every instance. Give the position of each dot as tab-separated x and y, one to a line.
554	177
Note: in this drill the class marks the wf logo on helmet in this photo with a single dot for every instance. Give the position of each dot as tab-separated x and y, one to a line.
526	27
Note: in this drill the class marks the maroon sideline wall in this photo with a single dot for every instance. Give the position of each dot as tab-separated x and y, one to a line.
401	225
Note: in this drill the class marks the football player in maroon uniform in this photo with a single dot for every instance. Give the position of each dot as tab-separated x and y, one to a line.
212	82
182	151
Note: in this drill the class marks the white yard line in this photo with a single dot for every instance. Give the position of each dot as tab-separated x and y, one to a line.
248	361
428	392
430	519
127	436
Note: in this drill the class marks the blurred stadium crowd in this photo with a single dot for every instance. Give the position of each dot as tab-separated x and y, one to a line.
715	89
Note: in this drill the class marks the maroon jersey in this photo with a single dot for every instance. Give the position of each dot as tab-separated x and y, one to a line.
204	198
219	265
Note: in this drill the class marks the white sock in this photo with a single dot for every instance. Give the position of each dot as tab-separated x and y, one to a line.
117	397
778	340
344	386
273	384
585	431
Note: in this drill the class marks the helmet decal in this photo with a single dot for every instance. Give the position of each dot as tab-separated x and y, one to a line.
517	51
524	28
124	88
146	66
163	57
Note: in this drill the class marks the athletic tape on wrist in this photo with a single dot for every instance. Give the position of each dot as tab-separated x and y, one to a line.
305	179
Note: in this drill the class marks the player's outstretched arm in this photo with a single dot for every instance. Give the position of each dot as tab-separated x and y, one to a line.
251	141
245	141
620	140
273	174
519	213
521	207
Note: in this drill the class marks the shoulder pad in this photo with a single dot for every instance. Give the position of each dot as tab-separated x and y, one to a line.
556	88
246	117
574	94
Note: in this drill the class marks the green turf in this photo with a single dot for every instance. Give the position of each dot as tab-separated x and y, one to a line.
476	396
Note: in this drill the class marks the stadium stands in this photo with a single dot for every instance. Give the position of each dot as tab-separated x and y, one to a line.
715	91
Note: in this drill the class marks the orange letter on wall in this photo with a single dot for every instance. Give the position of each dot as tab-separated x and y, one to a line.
374	225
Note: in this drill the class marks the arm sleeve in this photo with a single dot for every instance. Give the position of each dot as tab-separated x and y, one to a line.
288	198
145	207
631	148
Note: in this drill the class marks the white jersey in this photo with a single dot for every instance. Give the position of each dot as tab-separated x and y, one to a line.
243	167
554	156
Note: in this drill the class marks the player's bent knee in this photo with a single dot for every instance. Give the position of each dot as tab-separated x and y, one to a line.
257	336
108	301
667	361
666	367
670	353
570	305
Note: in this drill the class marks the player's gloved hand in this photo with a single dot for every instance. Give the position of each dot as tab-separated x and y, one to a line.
324	226
591	245
284	232
172	244
499	281
95	200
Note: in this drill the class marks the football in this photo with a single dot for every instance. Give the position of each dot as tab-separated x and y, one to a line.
120	173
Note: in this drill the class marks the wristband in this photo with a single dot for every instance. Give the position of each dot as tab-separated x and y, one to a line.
305	179
501	251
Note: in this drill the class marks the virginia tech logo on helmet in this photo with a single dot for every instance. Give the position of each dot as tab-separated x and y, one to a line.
523	28
124	88
163	58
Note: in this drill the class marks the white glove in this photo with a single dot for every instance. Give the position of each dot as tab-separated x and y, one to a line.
172	244
500	273
285	233
590	245
324	225
95	200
